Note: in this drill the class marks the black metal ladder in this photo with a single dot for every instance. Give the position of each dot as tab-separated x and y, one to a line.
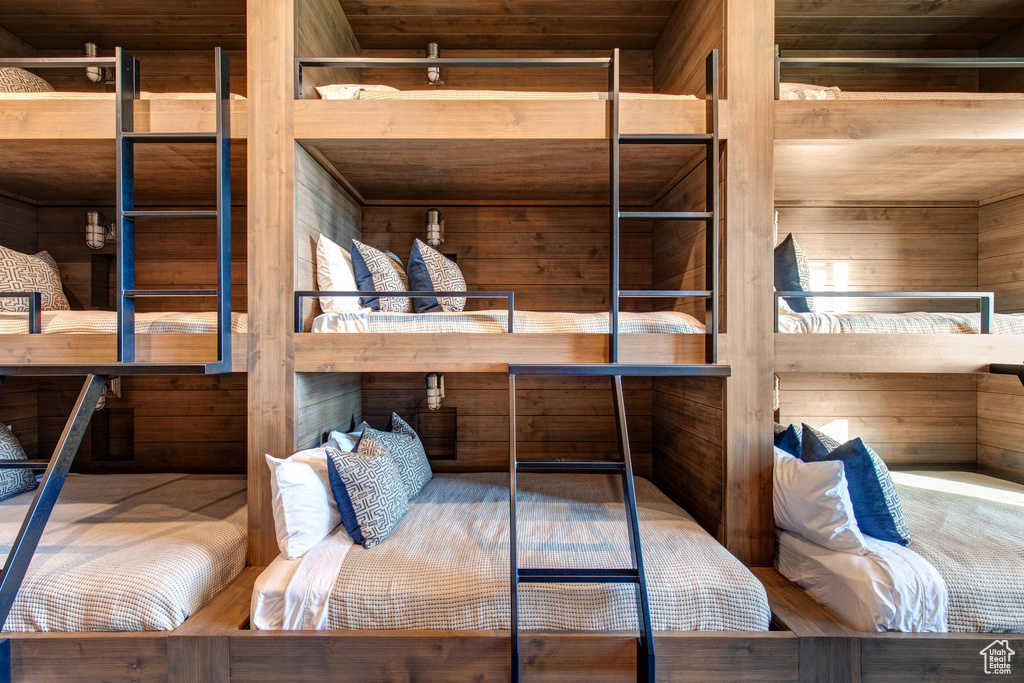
127	88
55	470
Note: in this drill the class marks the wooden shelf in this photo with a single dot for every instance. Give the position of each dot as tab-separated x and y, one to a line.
68	349
63	151
891	353
371	352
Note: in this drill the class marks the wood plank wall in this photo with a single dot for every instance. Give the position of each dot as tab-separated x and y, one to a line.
555	418
1010	44
1001	427
695	28
18	226
554	258
885	79
907	248
911	420
1001	253
322	30
689	447
636	72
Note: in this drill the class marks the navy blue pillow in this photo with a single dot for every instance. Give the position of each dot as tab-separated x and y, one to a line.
870	504
789	441
788	276
432	271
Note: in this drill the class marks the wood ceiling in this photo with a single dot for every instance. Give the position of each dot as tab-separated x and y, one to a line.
893	24
523	24
131	24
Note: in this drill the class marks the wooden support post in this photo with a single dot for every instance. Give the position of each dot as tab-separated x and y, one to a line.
749	49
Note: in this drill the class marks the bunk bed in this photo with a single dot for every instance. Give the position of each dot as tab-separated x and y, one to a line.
42	130
104	586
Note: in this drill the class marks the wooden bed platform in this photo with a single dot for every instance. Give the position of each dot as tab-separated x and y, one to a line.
371	352
895	353
26	349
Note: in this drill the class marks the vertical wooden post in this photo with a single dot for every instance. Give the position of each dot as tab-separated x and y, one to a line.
749	39
271	263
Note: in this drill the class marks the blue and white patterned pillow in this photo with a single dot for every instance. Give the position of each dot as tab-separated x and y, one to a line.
377	271
402	444
13	482
876	502
432	271
370	494
15	80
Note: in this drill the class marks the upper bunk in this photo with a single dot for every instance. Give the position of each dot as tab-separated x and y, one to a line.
115	124
537	97
931	94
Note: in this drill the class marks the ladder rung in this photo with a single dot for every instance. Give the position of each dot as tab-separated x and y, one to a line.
170	214
665	215
667	139
567	465
184	138
531	575
140	293
39	465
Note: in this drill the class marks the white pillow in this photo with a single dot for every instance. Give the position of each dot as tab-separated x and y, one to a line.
814	502
304	507
334	273
346	442
806	91
350	91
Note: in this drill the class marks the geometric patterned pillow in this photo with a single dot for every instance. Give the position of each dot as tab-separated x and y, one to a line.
379	272
13	482
402	445
24	273
432	271
876	501
370	494
15	80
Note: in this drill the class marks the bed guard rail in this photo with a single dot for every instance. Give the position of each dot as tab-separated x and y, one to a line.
894	62
309	294
35	305
986	300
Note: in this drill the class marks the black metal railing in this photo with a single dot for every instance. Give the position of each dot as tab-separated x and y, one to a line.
986	301
710	139
35	306
891	62
508	296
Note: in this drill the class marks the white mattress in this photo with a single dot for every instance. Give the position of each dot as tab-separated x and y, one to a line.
964	571
348	91
527	322
802	91
897	323
144	95
105	322
129	552
446	565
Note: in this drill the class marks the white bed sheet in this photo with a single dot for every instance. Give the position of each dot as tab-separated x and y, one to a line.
105	322
144	95
891	588
896	323
806	91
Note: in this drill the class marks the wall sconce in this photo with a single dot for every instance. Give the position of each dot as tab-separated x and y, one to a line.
435	390
435	228
97	74
97	231
434	74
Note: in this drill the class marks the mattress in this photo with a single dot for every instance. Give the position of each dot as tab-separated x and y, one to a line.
446	565
964	571
105	322
897	323
144	95
802	91
527	322
351	91
129	552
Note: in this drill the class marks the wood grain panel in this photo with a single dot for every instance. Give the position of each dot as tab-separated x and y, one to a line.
323	402
18	226
94	657
553	258
890	249
556	417
694	29
1001	253
322	206
923	420
323	30
19	410
1001	427
689	447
